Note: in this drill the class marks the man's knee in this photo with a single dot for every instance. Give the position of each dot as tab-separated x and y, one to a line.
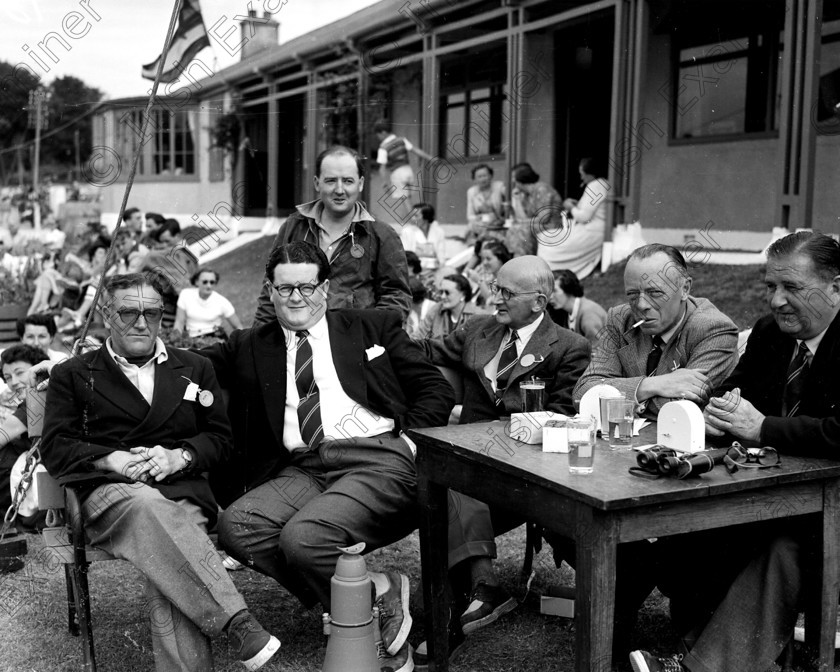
233	527
303	543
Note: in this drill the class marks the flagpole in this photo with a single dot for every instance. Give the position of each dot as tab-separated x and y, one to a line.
109	259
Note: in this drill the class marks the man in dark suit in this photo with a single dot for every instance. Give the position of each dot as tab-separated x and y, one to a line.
319	400
133	425
783	393
496	353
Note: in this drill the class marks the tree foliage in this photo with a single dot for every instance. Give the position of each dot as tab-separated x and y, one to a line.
70	104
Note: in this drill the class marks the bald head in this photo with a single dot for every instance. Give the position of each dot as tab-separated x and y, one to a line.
528	282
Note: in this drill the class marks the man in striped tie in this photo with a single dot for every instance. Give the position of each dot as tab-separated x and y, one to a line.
319	402
783	393
495	353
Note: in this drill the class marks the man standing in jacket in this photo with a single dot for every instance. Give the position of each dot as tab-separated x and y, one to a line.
366	257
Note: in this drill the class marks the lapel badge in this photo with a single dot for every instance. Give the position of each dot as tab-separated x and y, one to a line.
193	392
205	398
529	360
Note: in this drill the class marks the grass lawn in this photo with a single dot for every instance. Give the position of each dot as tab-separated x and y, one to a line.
33	633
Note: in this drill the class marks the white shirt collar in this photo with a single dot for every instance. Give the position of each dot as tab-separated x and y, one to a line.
316	331
160	355
814	342
525	333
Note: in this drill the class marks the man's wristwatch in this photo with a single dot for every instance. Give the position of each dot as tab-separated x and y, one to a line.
187	456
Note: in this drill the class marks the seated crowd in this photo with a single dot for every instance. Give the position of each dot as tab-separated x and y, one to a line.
297	425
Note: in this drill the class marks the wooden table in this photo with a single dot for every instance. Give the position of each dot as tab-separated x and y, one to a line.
610	507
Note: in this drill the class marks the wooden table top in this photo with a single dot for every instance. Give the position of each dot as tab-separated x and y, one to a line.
610	487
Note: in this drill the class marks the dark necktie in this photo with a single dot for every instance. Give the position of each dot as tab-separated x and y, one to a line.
506	363
654	356
309	406
796	380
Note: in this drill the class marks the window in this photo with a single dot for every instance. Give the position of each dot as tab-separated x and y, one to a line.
474	106
827	113
726	73
169	148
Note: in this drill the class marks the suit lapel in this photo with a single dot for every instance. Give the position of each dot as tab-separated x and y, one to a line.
269	352
347	346
114	388
486	347
539	345
168	395
823	370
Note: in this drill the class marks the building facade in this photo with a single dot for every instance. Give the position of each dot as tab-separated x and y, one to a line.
716	120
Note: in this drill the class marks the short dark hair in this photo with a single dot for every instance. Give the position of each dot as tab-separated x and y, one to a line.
298	252
100	242
417	289
525	174
158	219
340	149
170	225
647	251
153	278
591	166
499	250
475	169
427	212
195	276
129	213
38	320
462	283
23	353
381	126
822	250
569	282
413	262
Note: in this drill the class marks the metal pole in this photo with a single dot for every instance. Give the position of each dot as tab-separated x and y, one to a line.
36	208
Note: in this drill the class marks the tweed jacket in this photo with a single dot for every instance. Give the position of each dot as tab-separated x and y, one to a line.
707	341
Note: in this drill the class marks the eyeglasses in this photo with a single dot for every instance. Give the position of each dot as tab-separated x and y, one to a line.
304	288
757	458
207	282
129	316
507	294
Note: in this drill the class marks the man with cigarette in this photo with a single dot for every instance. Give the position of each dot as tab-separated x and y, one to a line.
663	344
784	394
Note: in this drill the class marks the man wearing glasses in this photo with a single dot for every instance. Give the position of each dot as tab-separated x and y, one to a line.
134	424
495	353
319	402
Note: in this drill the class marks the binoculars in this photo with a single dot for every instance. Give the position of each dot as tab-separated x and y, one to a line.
662	461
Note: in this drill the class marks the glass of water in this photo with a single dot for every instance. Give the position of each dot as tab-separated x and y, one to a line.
620	413
581	433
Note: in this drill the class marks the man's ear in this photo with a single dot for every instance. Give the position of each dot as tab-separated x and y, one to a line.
686	289
540	303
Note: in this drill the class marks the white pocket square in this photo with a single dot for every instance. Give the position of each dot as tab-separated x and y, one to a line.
374	351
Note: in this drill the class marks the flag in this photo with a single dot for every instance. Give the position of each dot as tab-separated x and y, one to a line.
190	37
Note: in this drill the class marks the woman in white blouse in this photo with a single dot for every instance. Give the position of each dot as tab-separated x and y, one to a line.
202	310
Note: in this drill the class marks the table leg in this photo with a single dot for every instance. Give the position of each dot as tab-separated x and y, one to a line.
595	591
434	545
830	574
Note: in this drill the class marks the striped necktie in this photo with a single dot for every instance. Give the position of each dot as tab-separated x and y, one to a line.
795	384
506	364
309	406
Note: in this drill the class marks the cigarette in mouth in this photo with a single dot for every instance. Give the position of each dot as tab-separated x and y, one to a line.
637	324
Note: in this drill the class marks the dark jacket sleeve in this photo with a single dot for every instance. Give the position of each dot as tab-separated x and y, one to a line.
429	396
446	350
64	448
391	272
566	372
